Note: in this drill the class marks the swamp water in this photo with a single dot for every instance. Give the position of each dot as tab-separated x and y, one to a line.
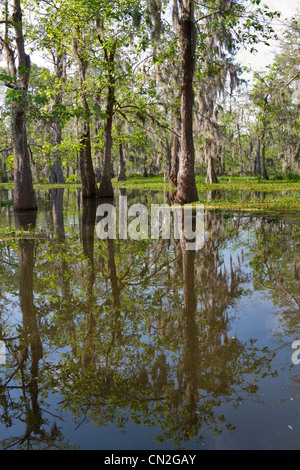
141	344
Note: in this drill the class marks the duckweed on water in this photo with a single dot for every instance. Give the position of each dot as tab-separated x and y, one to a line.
233	193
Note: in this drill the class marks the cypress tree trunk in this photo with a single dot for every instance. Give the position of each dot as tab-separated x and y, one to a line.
175	152
257	163
145	172
32	347
57	196
88	177
106	188
264	174
122	175
211	176
26	250
24	197
190	350
187	191
56	174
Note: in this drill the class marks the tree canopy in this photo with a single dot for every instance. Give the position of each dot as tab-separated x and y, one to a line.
140	87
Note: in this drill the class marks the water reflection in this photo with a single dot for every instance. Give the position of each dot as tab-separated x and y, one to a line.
122	331
26	349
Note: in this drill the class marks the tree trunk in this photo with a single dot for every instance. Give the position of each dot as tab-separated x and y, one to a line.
26	251
57	196
145	172
122	174
211	177
187	191
56	174
88	177
4	177
116	293
241	151
24	197
257	162
106	187
190	350
31	338
223	163
264	174
88	220
175	155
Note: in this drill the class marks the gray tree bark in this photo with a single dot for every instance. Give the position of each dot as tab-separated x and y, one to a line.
187	191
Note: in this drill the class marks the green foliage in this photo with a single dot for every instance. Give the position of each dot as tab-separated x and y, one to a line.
293	177
10	164
132	43
73	179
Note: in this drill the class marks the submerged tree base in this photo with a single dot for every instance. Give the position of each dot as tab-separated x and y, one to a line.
88	176
186	190
24	196
106	189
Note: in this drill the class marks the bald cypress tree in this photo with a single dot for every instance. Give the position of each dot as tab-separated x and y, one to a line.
18	67
185	22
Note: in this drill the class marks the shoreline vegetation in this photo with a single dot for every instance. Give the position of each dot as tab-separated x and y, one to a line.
231	193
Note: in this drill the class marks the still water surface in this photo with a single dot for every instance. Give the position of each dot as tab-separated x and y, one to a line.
124	344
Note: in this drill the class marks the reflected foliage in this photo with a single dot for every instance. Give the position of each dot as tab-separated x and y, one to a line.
275	264
116	331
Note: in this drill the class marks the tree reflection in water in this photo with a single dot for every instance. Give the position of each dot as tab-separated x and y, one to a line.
125	331
26	350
